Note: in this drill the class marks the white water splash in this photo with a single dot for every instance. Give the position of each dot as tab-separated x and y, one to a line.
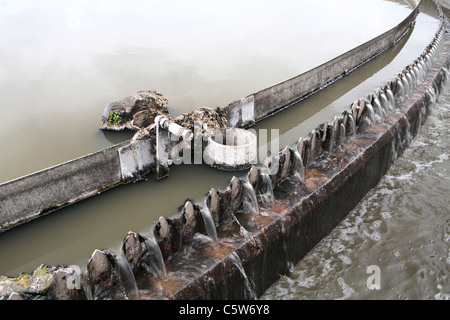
346	289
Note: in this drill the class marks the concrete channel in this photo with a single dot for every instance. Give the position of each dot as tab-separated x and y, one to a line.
233	247
34	195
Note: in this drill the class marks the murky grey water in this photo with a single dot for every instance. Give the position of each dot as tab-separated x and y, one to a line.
58	76
402	226
62	62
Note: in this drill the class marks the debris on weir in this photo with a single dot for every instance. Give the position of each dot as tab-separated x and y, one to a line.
134	112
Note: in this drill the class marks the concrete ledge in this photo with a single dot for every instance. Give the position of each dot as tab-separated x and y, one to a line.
31	196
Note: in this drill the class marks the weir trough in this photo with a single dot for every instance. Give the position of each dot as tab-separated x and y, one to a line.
151	151
239	241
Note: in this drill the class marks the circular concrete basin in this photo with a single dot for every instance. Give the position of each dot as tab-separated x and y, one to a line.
231	149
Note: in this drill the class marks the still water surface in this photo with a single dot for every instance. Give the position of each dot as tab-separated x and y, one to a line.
63	62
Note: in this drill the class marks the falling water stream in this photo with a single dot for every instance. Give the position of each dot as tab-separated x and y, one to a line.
209	223
127	277
267	195
250	199
154	260
250	292
60	74
299	173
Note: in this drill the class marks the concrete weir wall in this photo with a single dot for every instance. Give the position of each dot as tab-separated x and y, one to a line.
28	197
264	103
246	260
43	192
231	247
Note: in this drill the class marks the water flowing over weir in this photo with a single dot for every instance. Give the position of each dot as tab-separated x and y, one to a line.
260	243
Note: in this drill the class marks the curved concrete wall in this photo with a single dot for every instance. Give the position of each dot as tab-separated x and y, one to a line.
257	106
248	254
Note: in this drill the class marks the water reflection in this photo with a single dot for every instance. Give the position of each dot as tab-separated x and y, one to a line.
62	62
114	137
